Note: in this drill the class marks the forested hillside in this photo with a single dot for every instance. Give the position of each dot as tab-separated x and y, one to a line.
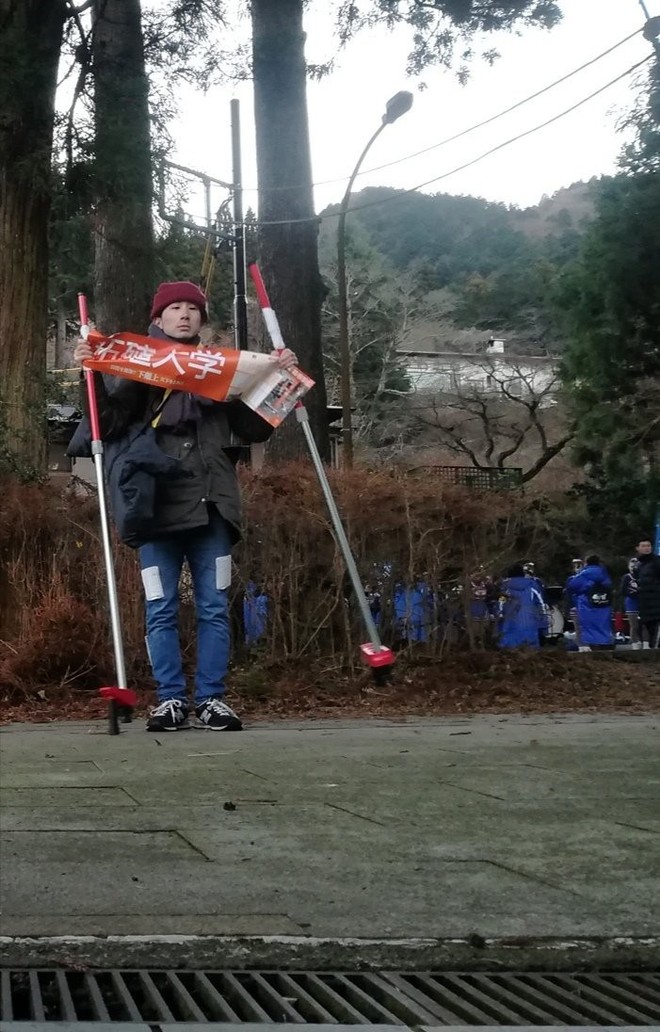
484	266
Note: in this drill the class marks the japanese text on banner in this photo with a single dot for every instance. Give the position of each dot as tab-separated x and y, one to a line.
172	365
217	373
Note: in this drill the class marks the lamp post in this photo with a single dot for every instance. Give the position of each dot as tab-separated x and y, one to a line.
396	106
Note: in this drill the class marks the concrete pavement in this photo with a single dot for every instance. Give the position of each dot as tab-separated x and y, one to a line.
286	837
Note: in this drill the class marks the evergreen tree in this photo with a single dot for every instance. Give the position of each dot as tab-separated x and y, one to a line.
127	64
185	254
30	38
123	228
610	301
442	26
288	230
71	252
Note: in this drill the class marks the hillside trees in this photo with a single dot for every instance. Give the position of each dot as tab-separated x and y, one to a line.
288	235
500	264
453	236
380	307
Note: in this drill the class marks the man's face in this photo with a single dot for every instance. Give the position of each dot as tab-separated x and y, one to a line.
645	548
181	320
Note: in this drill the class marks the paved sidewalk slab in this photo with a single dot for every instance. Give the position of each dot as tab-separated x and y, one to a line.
488	827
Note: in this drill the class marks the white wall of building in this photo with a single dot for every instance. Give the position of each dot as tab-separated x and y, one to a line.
451	372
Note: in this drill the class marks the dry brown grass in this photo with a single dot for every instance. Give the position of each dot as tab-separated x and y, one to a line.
54	630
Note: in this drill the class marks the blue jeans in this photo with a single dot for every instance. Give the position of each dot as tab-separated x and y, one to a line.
207	550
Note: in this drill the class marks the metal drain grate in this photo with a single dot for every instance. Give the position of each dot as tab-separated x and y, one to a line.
363	998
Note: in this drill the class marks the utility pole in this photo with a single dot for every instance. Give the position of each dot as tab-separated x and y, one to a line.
240	298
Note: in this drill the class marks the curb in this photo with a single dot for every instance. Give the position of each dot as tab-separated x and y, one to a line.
301	953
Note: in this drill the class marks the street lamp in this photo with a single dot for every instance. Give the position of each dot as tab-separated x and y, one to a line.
395	107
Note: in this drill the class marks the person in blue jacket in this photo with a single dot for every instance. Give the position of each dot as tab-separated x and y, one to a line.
592	590
571	598
255	614
413	610
630	591
529	569
521	608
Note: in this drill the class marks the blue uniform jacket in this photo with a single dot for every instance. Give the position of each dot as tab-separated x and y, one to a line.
592	588
522	613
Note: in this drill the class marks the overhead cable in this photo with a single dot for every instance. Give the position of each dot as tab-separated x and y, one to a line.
506	111
470	129
473	161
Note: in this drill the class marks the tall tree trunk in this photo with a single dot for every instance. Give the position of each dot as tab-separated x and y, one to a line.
288	252
124	255
30	40
60	334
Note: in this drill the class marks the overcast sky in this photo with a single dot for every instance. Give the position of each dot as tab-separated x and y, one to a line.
346	107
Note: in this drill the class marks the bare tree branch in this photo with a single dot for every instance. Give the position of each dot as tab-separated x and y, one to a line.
544	459
491	426
506	453
83	59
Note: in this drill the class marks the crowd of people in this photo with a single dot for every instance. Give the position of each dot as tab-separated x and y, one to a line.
518	610
598	615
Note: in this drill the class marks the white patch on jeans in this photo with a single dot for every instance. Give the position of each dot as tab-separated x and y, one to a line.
222	572
153	585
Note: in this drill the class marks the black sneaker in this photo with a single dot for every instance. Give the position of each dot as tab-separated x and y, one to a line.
216	715
171	715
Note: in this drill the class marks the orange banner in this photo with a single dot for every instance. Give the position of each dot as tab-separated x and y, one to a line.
166	364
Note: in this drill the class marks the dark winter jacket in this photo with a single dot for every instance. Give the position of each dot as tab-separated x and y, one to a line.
169	476
648	580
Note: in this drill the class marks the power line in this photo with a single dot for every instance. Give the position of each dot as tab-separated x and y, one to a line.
473	161
528	132
506	111
472	128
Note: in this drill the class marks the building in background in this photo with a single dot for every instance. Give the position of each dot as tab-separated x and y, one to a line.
493	371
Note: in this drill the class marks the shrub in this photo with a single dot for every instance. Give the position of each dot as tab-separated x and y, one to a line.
54	626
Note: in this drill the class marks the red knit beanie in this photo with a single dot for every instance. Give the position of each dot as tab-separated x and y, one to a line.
169	293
